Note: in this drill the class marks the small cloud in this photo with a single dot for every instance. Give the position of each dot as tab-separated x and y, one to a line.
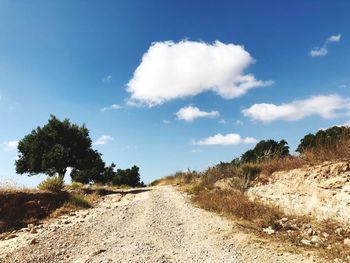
196	151
334	38
222	121
238	123
104	139
325	106
112	107
322	51
10	145
342	86
228	139
191	113
107	79
167	122
318	52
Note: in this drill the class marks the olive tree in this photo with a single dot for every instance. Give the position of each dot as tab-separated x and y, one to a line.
53	148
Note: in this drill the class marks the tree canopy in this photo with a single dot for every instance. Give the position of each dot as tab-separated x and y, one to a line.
53	148
264	150
323	138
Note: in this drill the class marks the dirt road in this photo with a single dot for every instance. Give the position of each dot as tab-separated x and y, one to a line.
148	225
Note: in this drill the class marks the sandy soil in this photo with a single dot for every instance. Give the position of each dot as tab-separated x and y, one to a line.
147	225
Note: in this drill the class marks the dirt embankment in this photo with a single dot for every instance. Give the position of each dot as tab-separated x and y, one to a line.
322	191
20	208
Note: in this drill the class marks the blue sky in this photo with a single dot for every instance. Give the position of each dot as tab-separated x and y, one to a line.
241	71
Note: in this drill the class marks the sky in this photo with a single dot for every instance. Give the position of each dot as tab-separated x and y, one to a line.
172	85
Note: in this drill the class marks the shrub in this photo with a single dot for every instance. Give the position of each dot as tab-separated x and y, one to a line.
76	185
78	201
53	184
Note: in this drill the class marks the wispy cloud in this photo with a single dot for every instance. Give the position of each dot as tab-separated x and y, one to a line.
191	113
111	107
342	86
107	79
196	151
228	139
325	106
322	51
10	145
104	139
171	70
238	123
167	122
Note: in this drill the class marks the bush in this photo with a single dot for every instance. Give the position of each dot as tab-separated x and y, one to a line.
76	185
53	184
78	201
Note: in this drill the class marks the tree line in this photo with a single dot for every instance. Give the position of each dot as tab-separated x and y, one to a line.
271	149
60	145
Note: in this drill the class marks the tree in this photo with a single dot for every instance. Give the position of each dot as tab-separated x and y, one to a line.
326	139
93	171
264	150
53	148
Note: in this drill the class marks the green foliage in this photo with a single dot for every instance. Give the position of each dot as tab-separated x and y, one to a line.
53	184
54	147
265	150
129	177
94	170
76	185
79	201
323	139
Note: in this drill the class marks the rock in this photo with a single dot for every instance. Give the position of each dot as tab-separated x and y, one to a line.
30	226
305	242
33	241
347	241
269	230
33	231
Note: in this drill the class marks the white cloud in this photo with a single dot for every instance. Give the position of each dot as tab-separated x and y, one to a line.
222	121
166	122
191	113
112	107
342	86
334	38
10	145
228	139
318	51
104	139
196	151
322	51
107	79
170	70
325	106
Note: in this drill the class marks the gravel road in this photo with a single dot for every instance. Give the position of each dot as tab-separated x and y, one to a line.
147	225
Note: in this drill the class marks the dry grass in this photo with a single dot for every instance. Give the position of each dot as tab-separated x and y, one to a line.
13	186
237	204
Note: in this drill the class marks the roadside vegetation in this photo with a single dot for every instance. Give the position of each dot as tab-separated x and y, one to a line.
222	189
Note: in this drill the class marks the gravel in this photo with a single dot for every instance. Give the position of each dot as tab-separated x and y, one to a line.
147	225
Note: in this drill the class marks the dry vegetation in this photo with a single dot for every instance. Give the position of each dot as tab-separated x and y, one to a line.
234	202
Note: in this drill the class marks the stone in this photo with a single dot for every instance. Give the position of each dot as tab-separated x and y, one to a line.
347	241
269	230
305	242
